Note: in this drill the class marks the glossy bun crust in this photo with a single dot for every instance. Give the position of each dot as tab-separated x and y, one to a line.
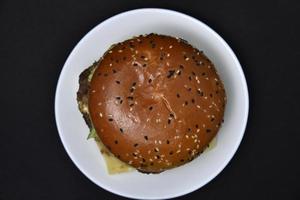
156	102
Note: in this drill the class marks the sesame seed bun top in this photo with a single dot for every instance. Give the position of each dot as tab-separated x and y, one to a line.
156	102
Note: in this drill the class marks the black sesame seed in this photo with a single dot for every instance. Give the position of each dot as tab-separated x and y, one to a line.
212	119
186	103
190	89
134	84
179	73
118	156
118	98
161	58
116	141
194	73
99	74
157	157
144	65
169	121
114	71
222	120
130	97
142	57
153	45
131	105
121	130
151	163
178	96
155	150
217	92
193	57
181	66
134	154
143	159
197	126
135	64
189	129
110	119
181	160
184	56
105	74
146	137
208	130
150	80
190	78
171	115
150	108
124	58
168	142
193	100
131	90
121	101
200	93
203	74
211	95
118	82
171	73
136	144
117	61
171	152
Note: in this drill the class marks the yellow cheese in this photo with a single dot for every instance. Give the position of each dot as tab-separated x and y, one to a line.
113	164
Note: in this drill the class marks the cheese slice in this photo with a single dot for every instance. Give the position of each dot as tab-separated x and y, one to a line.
113	164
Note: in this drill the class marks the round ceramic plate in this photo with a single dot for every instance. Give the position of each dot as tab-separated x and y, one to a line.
171	183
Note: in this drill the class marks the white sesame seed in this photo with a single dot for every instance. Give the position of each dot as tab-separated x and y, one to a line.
148	119
208	66
130	109
130	162
100	114
195	141
101	130
168	55
203	125
99	104
103	87
168	64
170	46
179	146
210	106
146	59
178	151
198	53
198	130
159	141
198	106
110	51
155	141
109	115
204	110
187	136
120	51
206	78
187	58
156	149
136	51
161	48
149	151
150	159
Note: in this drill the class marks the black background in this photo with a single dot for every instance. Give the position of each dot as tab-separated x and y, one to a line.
35	40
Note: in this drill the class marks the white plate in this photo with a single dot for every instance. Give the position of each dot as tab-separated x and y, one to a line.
172	183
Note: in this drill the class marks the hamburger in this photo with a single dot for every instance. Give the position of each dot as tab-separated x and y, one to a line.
153	102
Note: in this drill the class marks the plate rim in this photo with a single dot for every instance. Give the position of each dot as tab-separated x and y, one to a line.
238	67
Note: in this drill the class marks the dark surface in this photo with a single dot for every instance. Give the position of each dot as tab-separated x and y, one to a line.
35	40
